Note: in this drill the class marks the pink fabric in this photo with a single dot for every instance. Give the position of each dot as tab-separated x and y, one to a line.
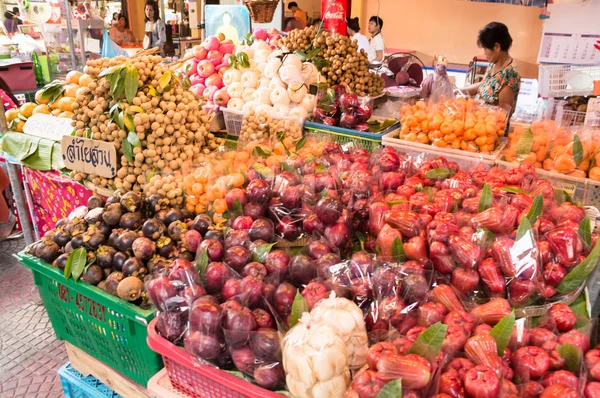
6	101
54	197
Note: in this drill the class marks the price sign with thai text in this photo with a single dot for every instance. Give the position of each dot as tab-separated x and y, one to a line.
89	156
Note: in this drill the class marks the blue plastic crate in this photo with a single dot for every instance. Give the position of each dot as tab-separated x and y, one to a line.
76	385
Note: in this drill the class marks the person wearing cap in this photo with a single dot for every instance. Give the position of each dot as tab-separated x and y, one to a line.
353	28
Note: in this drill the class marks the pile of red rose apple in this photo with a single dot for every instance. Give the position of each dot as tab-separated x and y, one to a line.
436	258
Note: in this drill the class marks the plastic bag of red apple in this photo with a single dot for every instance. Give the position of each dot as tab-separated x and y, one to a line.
397	290
173	292
413	357
488	355
338	106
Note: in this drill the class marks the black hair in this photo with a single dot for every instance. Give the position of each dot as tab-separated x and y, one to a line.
353	24
377	20
125	18
16	10
292	4
492	33
8	15
154	6
117	14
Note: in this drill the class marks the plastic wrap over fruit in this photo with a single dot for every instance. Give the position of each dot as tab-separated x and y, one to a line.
315	359
346	318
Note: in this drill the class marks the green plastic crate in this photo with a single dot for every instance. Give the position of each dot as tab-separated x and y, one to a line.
104	326
346	137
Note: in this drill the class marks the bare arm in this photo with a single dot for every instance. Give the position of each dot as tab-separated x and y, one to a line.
506	98
470	90
378	56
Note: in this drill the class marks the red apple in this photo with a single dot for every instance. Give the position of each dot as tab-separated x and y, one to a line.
211	43
214	80
221	97
200	53
205	68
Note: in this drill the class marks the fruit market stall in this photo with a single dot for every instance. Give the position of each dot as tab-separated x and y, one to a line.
329	253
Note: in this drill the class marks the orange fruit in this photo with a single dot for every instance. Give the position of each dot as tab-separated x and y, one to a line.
45	109
578	174
564	163
594	173
71	90
12	114
65	115
584	164
27	109
39	99
541	154
65	104
56	112
73	77
19	126
82	91
190	207
219	205
85	80
54	105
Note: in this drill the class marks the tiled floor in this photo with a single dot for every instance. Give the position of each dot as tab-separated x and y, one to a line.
30	355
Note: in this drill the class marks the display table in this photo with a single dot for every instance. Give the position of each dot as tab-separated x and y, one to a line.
53	196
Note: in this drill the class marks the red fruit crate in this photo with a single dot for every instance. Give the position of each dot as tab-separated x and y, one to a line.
198	380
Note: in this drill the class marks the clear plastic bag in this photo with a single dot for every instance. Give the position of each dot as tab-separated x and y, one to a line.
437	86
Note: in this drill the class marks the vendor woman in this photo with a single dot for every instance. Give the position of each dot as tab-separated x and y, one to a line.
501	82
156	32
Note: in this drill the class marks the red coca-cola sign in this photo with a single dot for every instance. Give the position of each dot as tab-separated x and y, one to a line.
333	13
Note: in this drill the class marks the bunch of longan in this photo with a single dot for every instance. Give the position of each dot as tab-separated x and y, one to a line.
166	119
347	64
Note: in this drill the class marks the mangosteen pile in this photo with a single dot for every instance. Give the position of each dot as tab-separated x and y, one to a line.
129	240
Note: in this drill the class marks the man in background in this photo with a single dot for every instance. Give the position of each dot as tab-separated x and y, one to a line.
298	13
17	14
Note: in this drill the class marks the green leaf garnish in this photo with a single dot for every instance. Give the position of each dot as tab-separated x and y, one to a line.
429	343
502	332
485	200
580	273
524	144
259	254
299	306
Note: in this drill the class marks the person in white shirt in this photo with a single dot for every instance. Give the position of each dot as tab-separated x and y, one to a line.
353	28
377	46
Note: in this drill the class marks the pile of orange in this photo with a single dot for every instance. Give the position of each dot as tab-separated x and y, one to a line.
459	124
552	149
207	184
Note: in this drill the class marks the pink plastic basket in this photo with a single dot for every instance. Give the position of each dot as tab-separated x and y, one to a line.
198	380
160	385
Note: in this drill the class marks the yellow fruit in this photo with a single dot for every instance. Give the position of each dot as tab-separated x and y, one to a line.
85	80
27	109
71	90
45	109
39	99
19	127
54	105
56	112
65	104
73	77
65	115
82	91
12	114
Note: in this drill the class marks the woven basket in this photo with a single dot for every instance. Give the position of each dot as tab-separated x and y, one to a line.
262	11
